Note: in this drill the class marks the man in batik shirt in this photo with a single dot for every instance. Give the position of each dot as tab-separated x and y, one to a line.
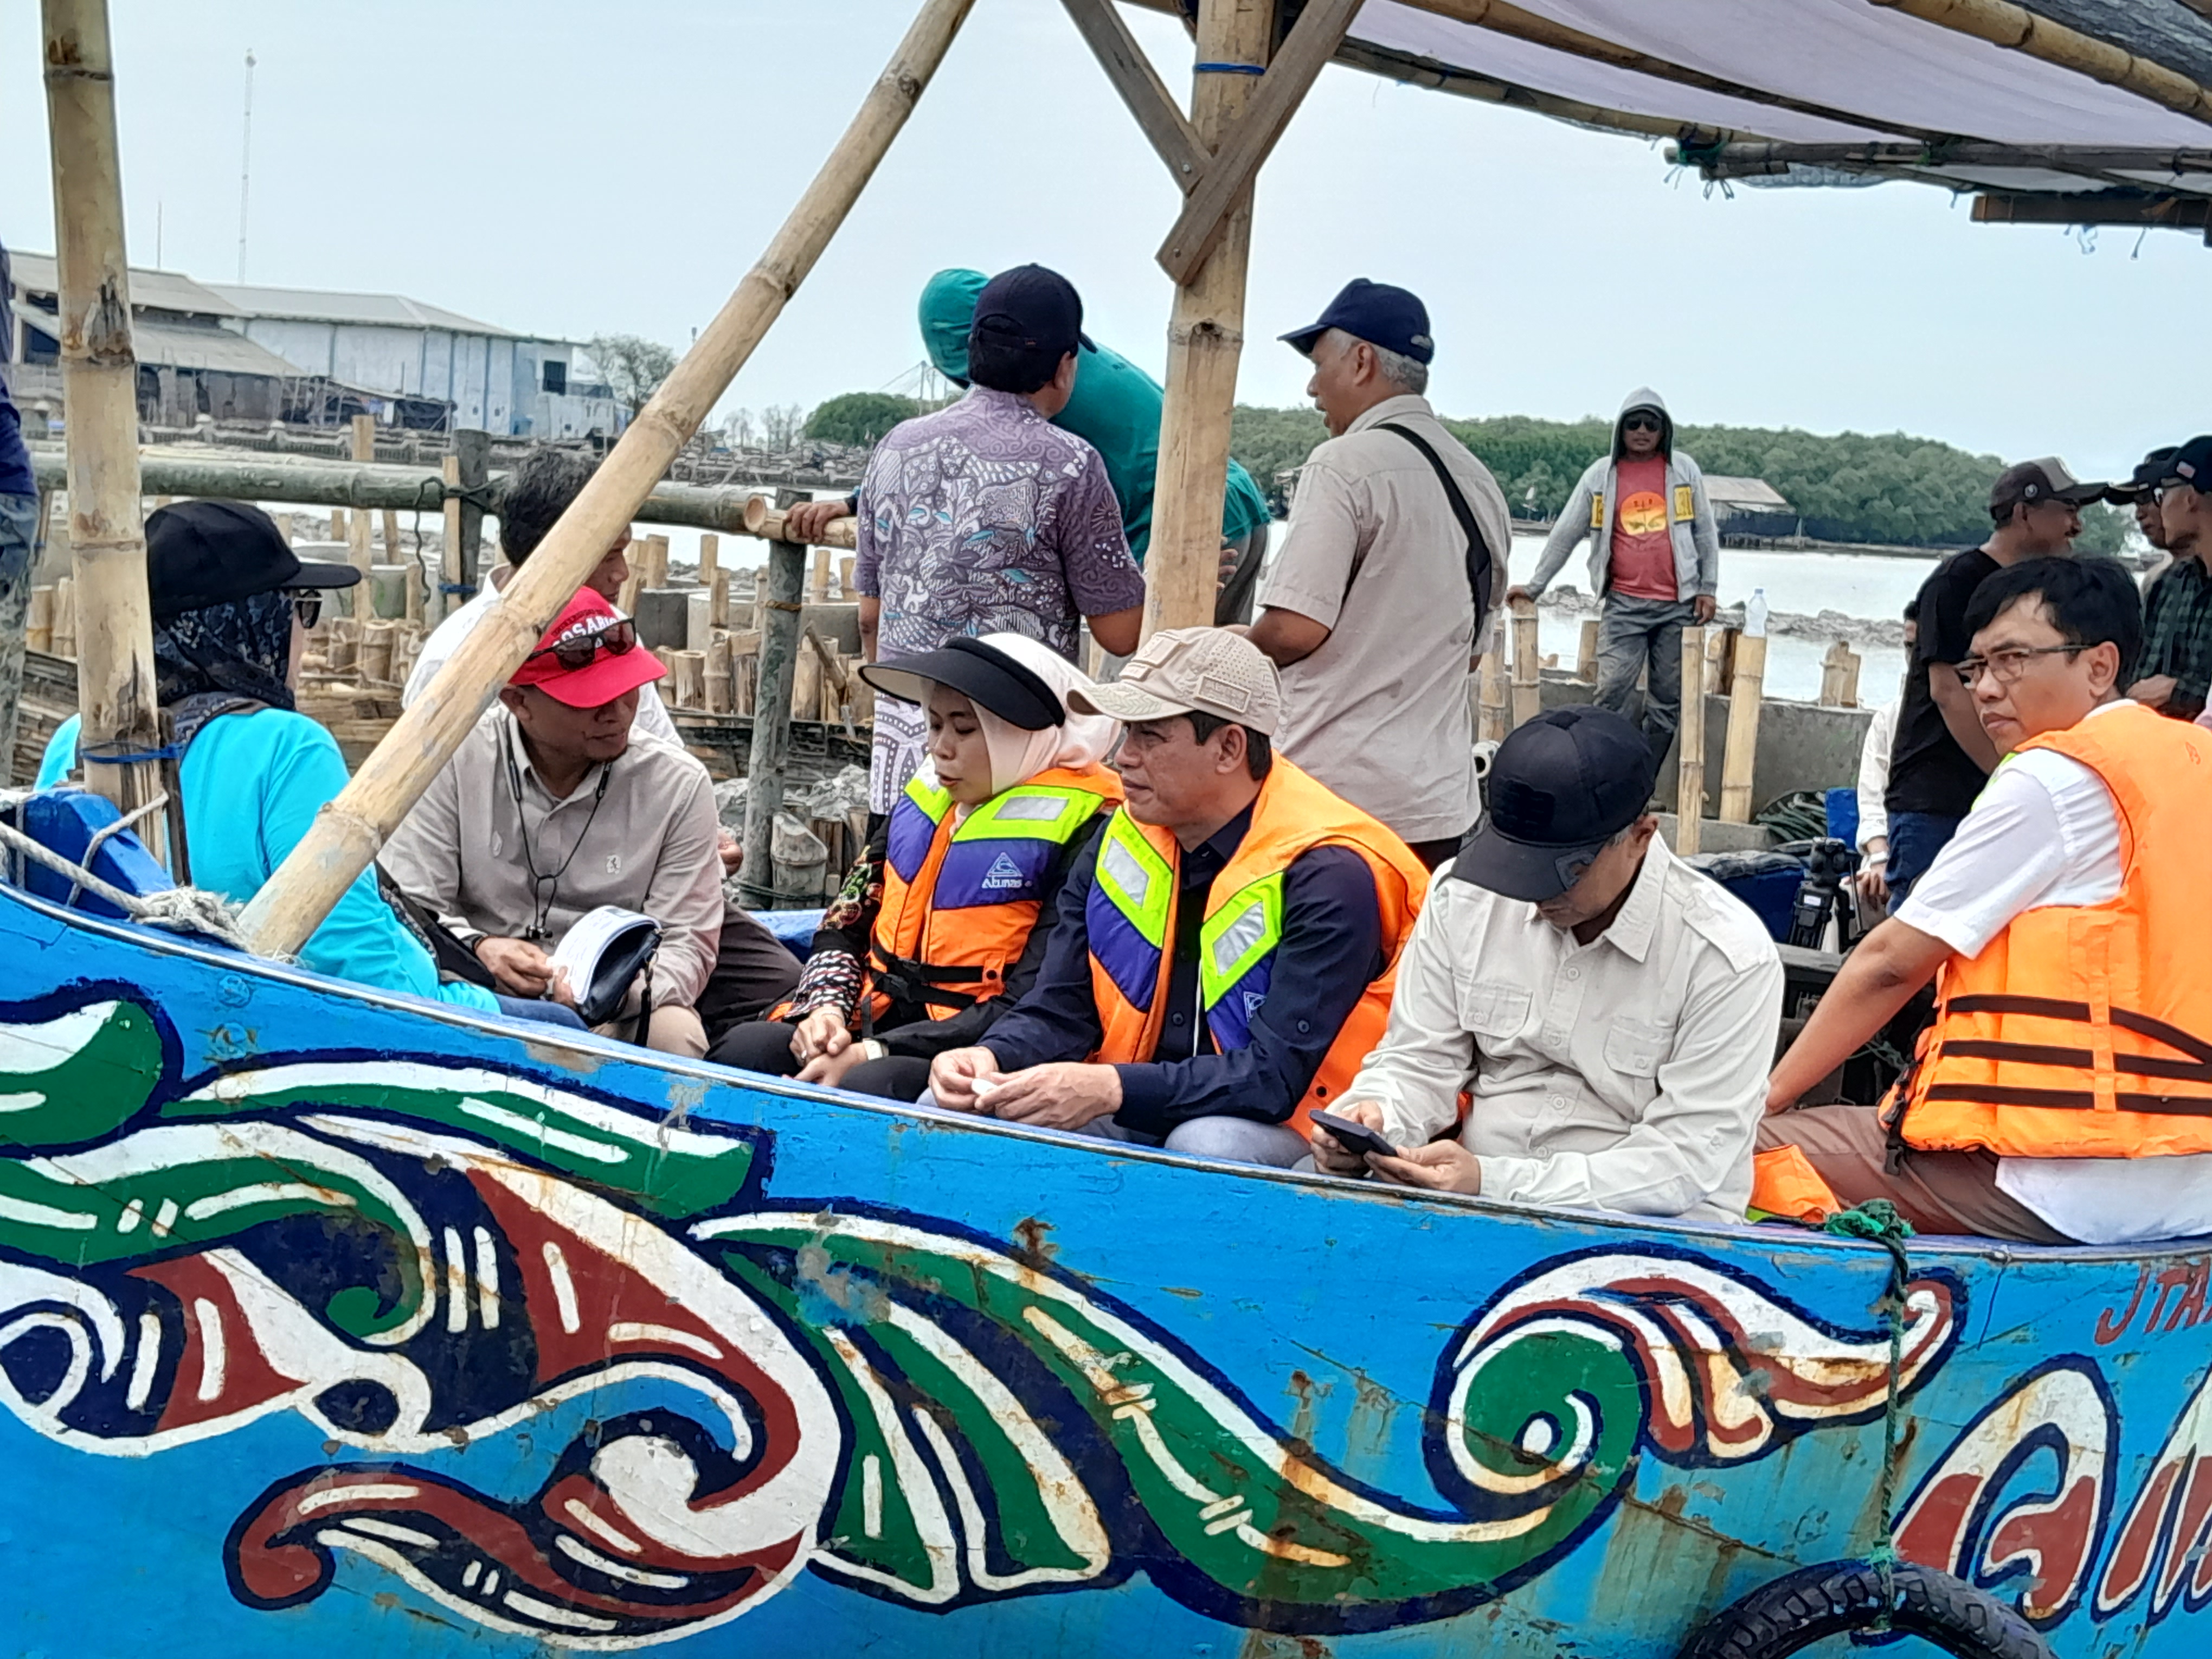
985	518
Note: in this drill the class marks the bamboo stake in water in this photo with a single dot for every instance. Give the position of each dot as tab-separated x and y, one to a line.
349	832
99	383
1690	790
1527	672
1737	760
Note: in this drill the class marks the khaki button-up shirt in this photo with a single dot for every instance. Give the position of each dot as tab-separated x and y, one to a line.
1379	712
648	845
1629	1073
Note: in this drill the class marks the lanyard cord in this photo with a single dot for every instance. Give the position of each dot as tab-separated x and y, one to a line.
542	897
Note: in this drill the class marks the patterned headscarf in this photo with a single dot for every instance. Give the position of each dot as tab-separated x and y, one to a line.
223	658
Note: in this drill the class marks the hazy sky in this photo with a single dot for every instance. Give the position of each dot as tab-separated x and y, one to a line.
575	168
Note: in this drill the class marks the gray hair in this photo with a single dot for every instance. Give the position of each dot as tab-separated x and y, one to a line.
1403	372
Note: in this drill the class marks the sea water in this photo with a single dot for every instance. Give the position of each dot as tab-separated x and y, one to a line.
1872	586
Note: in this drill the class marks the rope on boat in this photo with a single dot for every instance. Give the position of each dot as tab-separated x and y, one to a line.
181	910
1877	1220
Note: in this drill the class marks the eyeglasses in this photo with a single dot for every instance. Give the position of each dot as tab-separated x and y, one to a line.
578	653
1640	424
307	605
2009	664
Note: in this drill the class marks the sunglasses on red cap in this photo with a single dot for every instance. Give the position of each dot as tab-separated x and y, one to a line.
616	638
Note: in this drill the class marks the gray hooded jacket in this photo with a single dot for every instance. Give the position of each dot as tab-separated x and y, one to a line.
1588	512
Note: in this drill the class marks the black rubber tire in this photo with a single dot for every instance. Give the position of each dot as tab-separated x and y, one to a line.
1837	1597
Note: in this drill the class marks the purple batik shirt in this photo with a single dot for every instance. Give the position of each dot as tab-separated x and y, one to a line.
984	518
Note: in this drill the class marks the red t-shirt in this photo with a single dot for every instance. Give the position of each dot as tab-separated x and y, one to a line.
1642	547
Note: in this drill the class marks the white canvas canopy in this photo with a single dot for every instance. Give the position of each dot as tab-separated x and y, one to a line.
2088	110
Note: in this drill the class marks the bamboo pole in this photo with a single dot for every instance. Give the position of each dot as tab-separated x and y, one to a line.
315	481
1493	720
1527	672
778	609
16	566
1586	654
1742	750
444	601
472	449
347	833
710	561
100	384
762	520
1205	337
2002	23
1690	787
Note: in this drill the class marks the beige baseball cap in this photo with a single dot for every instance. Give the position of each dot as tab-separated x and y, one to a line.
1182	671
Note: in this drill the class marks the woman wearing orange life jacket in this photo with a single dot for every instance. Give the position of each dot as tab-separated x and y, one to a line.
935	932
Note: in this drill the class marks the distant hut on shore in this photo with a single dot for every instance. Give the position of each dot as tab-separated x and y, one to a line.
1750	508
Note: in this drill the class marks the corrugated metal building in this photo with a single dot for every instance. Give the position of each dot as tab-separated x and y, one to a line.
506	383
192	360
280	353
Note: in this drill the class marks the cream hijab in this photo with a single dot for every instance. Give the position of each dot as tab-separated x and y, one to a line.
1077	741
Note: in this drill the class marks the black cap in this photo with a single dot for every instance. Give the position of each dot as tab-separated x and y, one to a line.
2146	477
1031	310
2191	464
1560	787
982	673
1391	317
204	553
2024	484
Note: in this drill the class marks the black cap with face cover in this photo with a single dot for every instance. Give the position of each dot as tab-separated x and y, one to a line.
1561	786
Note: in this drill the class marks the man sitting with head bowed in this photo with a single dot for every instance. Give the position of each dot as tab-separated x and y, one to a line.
1222	954
1605	1011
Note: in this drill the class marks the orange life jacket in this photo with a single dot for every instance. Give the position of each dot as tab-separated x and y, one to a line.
960	899
1131	919
2086	1031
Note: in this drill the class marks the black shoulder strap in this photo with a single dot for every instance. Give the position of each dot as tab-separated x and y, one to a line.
1479	565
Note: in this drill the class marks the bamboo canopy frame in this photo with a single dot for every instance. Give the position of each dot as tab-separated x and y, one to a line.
351	830
99	379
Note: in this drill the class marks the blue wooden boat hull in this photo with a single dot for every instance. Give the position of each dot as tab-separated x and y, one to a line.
332	1322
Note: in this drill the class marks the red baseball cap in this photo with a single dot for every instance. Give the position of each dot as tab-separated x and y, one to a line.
590	656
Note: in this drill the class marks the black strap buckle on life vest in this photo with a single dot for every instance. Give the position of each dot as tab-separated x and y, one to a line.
904	980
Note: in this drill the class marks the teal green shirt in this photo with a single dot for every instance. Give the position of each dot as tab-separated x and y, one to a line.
253	784
1116	409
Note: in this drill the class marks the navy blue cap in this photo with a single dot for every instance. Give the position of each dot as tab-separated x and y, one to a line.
1391	317
2191	464
1561	785
2147	476
1032	311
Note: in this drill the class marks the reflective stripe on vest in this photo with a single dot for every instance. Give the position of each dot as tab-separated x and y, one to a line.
914	817
1130	902
1001	851
1235	959
1130	917
960	900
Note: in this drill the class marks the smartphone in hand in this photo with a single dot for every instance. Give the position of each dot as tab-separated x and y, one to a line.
1356	1137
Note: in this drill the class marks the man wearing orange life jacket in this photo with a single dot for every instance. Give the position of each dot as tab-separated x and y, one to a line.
943	923
2062	1094
1222	959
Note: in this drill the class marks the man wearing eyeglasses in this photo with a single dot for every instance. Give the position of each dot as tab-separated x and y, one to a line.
1655	560
1941	757
555	805
2061	1095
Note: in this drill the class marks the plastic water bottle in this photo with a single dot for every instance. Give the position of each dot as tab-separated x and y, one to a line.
1755	614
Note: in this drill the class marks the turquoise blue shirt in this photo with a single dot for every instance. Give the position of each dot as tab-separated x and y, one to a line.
253	784
1114	407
